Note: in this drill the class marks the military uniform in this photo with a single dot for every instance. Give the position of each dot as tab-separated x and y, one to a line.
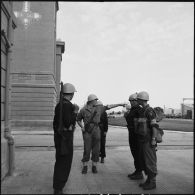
133	138
91	136
146	120
63	159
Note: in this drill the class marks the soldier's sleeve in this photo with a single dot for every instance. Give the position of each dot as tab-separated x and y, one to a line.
151	116
104	108
80	115
68	117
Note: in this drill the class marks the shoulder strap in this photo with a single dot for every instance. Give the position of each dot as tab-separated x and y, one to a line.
94	113
145	111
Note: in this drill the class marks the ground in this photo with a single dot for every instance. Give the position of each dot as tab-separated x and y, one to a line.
35	158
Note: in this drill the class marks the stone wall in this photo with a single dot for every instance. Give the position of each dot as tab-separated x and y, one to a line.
8	24
33	74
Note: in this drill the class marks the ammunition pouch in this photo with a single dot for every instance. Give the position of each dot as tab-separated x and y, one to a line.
141	126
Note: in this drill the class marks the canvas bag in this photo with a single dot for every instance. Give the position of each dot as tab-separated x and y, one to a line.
141	128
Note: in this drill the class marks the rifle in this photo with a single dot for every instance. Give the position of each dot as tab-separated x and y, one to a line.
64	149
60	128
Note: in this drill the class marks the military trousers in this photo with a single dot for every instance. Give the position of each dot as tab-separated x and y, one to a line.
135	149
103	145
148	158
91	145
63	162
84	151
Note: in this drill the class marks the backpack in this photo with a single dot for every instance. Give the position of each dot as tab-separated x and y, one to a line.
159	113
159	116
142	127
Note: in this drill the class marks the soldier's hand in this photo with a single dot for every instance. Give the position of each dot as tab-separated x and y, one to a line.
76	108
153	143
124	104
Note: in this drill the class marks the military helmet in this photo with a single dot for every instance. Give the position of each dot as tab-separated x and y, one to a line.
99	103
68	88
92	97
143	95
133	97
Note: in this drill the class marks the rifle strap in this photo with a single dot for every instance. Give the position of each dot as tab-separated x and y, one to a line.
92	117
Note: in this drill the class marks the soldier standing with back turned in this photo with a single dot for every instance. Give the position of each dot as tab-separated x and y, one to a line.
130	117
90	114
63	136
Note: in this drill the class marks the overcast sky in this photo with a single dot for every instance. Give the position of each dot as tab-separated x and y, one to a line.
114	49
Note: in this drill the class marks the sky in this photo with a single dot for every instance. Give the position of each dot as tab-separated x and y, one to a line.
114	49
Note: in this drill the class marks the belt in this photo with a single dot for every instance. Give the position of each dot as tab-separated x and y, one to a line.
71	128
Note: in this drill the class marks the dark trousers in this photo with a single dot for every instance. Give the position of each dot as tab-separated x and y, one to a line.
135	149
103	145
63	162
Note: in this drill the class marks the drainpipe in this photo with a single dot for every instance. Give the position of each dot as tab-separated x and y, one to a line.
7	130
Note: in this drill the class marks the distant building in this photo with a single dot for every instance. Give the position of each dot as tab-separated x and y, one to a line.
187	111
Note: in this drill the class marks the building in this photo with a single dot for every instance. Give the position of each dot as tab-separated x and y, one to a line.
35	74
187	111
8	24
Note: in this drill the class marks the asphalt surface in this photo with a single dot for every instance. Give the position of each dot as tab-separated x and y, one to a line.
35	158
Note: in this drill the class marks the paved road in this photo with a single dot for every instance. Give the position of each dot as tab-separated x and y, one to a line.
116	136
34	166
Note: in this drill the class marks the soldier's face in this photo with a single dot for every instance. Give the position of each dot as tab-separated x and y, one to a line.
140	102
68	96
133	102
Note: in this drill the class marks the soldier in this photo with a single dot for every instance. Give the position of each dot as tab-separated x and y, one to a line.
64	140
130	116
103	128
90	114
147	138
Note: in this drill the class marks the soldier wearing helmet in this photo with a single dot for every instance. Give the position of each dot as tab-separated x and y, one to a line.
90	115
64	160
131	116
147	139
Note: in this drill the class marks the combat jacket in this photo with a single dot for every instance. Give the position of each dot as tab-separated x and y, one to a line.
146	120
131	117
68	115
87	111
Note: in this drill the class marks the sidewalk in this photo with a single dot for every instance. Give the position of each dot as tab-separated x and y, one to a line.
34	166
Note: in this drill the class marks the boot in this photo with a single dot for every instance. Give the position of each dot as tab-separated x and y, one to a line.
145	183
84	170
151	185
57	191
94	169
137	176
131	174
102	160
